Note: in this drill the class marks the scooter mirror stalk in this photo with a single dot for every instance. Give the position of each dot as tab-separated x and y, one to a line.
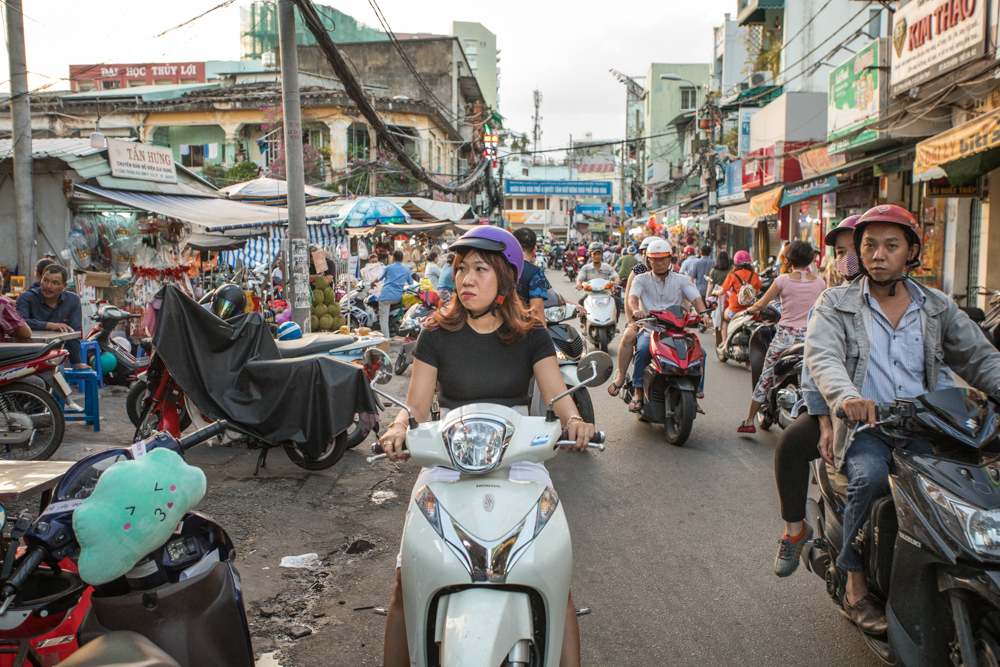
392	399
595	368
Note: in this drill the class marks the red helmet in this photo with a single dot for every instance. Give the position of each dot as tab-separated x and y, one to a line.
896	215
846	223
688	250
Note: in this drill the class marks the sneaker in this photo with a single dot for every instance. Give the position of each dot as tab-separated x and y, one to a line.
789	552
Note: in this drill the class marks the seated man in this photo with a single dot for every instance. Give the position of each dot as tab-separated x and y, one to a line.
49	307
40	266
909	331
11	323
658	289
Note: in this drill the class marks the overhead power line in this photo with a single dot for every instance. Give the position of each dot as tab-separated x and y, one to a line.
353	89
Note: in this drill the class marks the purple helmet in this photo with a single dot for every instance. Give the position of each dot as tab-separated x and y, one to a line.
846	223
493	239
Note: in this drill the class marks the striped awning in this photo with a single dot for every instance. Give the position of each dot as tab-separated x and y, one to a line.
765	204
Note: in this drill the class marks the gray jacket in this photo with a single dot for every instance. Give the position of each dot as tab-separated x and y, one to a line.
838	347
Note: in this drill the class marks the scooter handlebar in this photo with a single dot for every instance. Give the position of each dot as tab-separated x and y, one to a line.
34	557
204	434
596	442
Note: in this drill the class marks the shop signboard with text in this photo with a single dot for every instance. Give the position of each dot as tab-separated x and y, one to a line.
144	162
746	113
856	98
932	37
581	188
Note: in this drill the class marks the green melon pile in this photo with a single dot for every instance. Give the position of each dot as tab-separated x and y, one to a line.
325	309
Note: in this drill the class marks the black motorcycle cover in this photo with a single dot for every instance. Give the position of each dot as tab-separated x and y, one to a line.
232	370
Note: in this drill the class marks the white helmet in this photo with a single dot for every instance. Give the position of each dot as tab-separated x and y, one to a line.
645	242
659	248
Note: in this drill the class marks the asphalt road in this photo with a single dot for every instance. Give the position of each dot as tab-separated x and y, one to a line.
673	547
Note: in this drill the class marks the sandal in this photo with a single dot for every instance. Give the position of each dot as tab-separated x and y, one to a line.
746	428
635	405
700	394
614	388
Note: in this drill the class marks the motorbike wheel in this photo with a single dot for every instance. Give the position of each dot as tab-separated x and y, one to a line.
602	340
355	434
401	365
720	352
762	421
680	411
584	405
47	419
334	452
133	402
987	641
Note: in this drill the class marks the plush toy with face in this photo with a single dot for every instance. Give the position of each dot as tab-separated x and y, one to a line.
133	510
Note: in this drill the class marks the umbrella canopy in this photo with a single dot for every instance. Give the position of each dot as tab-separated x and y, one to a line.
272	192
371	211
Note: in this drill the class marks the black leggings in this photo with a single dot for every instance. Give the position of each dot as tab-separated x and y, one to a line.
797	446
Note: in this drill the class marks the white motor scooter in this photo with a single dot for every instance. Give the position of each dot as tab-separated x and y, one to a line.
600	316
486	560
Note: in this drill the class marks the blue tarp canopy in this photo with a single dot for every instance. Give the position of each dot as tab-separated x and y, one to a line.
371	211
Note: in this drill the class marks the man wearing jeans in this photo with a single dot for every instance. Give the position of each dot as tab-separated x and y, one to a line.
394	278
880	338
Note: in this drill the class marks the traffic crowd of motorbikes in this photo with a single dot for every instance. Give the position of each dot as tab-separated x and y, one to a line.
859	375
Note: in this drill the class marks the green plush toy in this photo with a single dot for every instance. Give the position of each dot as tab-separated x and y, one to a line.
133	510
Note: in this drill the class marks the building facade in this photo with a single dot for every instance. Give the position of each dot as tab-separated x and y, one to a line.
480	48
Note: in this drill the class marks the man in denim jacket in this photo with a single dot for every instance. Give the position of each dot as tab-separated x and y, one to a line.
883	337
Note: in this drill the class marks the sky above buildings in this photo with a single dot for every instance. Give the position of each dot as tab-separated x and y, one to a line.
563	49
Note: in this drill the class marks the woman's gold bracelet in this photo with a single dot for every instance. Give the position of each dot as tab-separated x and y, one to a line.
576	417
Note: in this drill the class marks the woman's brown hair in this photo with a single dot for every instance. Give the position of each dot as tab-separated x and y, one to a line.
516	320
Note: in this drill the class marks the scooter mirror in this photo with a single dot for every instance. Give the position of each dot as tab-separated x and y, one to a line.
377	365
595	368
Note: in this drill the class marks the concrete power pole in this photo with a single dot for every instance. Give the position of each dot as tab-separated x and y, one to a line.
537	134
20	111
298	236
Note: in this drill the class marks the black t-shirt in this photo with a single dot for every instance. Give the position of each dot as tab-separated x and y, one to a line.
479	368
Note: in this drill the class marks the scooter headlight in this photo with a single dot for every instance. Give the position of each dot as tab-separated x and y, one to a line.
476	445
602	301
555	314
979	528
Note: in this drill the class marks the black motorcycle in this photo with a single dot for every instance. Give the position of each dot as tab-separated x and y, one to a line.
127	366
931	549
785	392
570	348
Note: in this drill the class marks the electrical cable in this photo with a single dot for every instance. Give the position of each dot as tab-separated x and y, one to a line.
353	89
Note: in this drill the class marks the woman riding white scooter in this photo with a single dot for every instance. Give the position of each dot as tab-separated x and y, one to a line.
482	347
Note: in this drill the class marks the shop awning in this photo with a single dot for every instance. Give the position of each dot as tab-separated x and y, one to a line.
807	190
962	153
764	204
214	213
433	229
738	215
219	242
695	202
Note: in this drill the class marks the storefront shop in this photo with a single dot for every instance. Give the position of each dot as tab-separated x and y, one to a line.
765	213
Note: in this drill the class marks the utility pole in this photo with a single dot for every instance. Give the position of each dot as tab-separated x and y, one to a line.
372	161
20	112
713	193
298	236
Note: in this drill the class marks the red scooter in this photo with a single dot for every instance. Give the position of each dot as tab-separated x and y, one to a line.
31	420
670	381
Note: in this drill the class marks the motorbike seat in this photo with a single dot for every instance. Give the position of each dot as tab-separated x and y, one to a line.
312	344
12	353
798	348
975	314
120	649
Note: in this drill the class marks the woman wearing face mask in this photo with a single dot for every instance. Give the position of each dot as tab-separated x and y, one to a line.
811	434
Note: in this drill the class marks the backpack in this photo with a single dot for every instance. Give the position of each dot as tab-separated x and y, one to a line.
746	295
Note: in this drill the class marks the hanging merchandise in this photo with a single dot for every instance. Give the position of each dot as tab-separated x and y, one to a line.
175	231
79	248
123	252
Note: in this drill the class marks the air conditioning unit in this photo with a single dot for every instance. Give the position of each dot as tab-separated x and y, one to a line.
760	79
269	60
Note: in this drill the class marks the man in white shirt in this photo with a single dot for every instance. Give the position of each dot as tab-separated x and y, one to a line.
658	289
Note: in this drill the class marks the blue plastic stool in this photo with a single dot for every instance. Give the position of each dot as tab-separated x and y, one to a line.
86	382
88	345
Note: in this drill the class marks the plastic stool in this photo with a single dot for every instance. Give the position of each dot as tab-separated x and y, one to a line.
86	382
87	345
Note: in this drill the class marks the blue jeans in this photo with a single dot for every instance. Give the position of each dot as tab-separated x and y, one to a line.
867	465
642	358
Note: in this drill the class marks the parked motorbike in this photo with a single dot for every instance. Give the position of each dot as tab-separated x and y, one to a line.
988	322
184	597
31	419
737	343
931	548
785	392
570	348
127	366
600	313
488	601
356	309
670	381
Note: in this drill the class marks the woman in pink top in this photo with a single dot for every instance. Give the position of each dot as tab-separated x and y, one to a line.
799	289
